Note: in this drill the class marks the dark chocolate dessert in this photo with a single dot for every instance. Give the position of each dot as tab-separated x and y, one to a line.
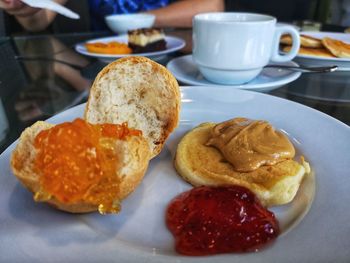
145	40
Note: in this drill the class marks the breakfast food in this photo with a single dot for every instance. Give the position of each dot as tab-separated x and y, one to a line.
210	220
305	41
325	47
319	52
78	167
93	164
241	152
112	47
146	40
139	91
338	48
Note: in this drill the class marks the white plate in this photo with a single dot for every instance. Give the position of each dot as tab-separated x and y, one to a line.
35	232
172	44
342	63
186	71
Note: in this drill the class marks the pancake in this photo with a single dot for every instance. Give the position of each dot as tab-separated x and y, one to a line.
305	41
318	52
338	48
204	165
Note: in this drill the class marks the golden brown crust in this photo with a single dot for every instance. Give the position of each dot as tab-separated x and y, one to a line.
134	154
338	48
164	103
319	52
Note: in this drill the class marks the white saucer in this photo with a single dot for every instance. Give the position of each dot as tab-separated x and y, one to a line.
186	71
172	44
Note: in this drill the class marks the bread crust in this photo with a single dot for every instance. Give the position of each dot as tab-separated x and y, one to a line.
134	154
148	91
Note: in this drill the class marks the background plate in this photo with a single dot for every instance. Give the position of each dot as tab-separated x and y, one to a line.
342	63
173	44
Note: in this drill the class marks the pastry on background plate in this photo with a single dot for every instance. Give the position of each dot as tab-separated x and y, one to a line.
338	48
318	52
305	41
146	40
242	152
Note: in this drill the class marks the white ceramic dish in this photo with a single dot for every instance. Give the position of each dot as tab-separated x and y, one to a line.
173	44
342	63
121	23
35	232
187	72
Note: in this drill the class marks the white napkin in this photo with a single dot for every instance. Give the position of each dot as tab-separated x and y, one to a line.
49	4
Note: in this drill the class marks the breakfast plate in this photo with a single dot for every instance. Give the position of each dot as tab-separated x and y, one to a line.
173	44
315	227
185	70
309	60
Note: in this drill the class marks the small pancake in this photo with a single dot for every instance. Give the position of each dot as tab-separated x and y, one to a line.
338	48
204	165
318	52
305	41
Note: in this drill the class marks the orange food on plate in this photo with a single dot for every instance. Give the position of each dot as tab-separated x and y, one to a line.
76	162
113	47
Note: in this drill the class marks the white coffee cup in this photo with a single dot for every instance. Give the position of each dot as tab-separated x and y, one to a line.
232	48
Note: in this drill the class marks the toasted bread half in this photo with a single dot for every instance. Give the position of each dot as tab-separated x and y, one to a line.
139	91
338	48
132	154
205	165
305	41
319	52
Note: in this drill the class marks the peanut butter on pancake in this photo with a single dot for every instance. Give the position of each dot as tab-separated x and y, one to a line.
249	144
305	41
319	52
200	164
338	48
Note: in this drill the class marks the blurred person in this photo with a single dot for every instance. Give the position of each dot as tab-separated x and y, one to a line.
169	13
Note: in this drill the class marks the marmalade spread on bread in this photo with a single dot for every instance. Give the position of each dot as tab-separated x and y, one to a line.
210	220
248	144
76	162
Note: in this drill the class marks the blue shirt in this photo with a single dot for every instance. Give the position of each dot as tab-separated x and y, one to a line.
100	8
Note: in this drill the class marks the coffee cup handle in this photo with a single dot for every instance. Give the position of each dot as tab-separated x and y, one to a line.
281	30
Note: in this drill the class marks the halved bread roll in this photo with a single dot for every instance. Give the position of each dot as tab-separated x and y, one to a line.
139	91
132	154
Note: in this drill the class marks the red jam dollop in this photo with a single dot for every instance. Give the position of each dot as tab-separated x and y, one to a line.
211	220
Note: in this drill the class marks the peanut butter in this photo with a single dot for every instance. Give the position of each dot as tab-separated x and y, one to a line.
248	144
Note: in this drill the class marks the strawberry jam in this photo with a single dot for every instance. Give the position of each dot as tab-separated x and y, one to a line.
212	220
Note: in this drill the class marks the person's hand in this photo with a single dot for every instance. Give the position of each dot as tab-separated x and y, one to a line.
17	8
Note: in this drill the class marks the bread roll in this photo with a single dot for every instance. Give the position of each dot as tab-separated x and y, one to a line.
132	154
139	91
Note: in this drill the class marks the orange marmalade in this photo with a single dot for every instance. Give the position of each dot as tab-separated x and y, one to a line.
108	48
76	163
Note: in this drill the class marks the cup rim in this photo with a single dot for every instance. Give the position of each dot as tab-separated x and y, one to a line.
203	17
